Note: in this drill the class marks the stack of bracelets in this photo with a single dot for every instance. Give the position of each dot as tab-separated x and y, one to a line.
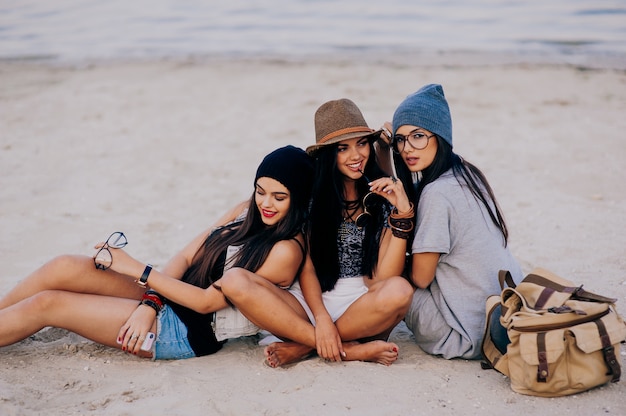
153	300
401	224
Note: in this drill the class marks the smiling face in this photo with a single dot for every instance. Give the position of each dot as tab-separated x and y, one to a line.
352	156
272	199
417	160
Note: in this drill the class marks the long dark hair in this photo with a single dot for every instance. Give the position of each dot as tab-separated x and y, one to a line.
252	234
326	211
465	173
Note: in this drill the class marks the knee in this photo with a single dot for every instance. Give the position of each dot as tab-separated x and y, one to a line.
62	262
398	293
42	302
64	266
235	283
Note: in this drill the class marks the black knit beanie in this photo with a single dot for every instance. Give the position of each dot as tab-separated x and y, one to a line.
292	167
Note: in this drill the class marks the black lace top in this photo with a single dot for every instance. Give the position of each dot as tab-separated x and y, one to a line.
350	246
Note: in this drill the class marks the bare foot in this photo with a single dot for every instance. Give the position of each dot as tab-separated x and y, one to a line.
279	354
380	352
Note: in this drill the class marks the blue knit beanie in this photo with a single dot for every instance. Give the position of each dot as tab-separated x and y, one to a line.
427	108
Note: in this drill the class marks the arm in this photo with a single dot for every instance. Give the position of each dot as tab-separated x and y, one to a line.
423	270
280	268
142	319
392	249
282	263
391	256
327	338
181	261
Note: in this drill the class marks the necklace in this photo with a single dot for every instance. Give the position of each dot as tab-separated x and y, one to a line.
350	209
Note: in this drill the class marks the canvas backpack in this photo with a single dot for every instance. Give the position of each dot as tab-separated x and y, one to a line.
563	339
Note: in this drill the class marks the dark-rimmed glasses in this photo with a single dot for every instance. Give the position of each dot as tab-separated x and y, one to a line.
416	139
103	258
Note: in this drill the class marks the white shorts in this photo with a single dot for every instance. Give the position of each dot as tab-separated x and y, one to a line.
338	300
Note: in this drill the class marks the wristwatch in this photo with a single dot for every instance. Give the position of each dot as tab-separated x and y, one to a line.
143	280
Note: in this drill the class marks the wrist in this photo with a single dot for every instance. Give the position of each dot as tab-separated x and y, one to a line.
323	317
153	300
143	280
404	211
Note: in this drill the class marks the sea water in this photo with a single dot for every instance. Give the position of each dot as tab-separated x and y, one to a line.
562	31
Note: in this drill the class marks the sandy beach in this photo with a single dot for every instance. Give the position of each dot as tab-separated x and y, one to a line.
160	149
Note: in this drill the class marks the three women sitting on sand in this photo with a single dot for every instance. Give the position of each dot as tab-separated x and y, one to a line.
321	267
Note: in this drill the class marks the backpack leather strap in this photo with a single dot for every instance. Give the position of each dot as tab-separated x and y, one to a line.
609	352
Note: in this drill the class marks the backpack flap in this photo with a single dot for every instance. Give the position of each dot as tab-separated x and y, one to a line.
604	335
543	289
565	316
541	350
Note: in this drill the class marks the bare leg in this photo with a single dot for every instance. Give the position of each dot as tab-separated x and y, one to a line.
72	273
95	317
376	313
278	312
268	306
273	309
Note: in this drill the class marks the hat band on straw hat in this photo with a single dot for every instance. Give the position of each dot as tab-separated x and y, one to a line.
341	132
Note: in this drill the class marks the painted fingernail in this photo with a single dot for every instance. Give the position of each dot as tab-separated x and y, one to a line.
395	349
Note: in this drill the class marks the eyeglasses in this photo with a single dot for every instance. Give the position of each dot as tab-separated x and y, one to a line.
364	218
416	139
103	258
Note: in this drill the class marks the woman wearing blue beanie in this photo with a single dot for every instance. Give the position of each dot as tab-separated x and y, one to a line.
460	240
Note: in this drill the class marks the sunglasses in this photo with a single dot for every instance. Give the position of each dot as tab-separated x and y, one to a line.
365	217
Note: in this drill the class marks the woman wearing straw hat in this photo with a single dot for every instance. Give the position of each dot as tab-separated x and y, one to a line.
350	294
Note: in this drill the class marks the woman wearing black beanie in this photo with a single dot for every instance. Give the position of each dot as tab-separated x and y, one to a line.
121	302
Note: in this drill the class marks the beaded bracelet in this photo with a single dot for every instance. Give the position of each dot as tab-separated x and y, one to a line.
409	214
156	300
152	304
154	294
401	227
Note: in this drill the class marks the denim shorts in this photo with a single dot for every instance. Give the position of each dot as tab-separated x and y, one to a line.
171	342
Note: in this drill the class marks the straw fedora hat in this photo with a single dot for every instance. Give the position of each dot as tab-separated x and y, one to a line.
339	120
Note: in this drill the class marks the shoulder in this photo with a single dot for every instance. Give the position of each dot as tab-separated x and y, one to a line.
292	248
444	181
445	187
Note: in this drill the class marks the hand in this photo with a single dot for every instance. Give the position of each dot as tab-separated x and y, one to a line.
393	191
328	341
133	333
119	261
386	135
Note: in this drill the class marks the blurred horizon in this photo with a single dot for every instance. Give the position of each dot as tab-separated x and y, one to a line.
560	31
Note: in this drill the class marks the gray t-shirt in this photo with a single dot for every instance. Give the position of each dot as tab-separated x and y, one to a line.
452	222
